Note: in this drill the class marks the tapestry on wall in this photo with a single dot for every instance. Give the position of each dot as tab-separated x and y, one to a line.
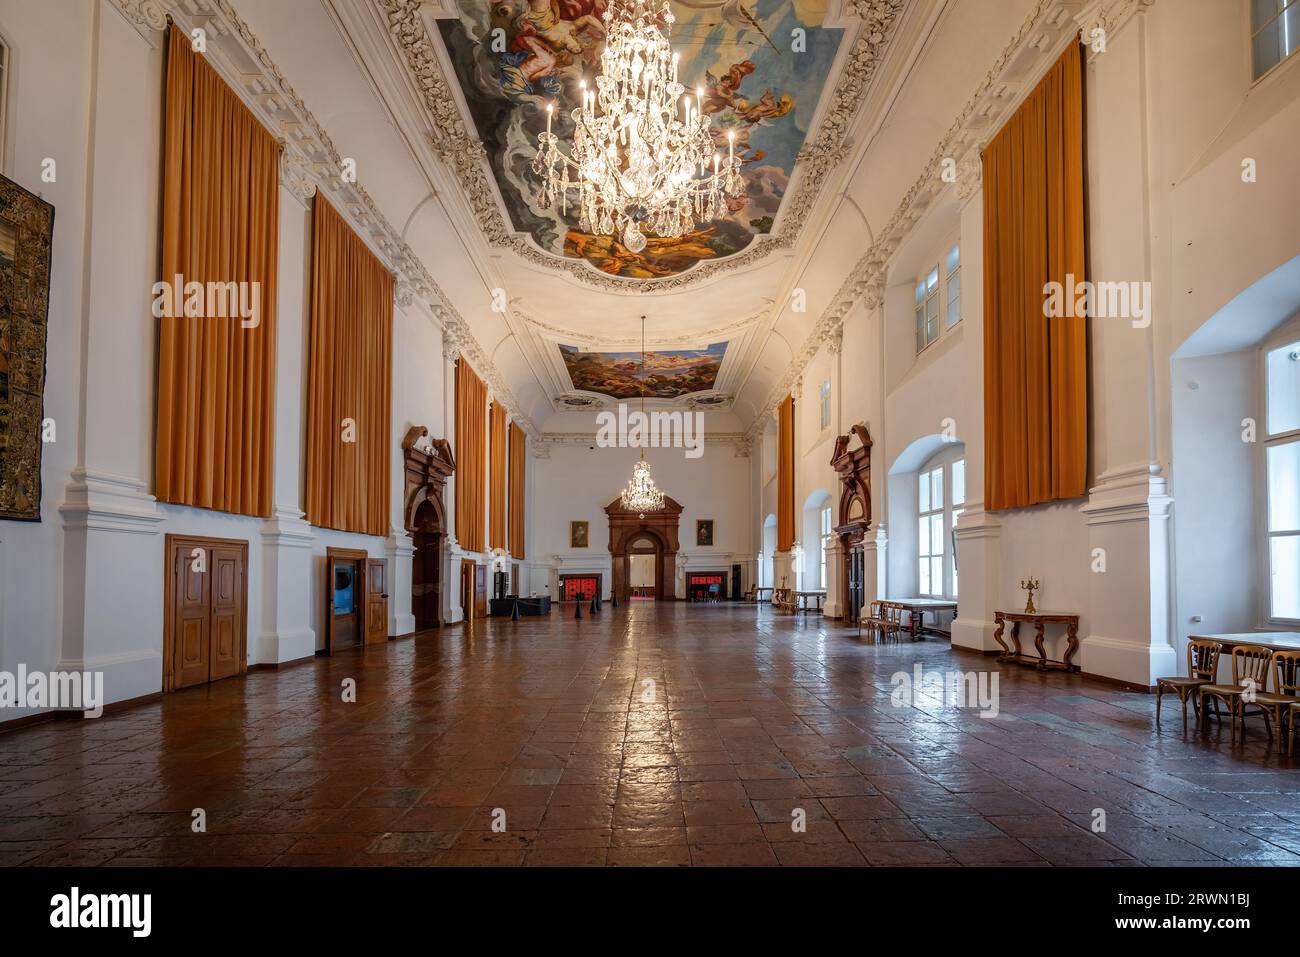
26	231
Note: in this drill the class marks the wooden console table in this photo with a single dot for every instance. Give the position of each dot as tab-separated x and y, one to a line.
1038	619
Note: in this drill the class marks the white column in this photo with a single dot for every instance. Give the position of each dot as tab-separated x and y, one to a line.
979	571
451	609
113	549
286	579
835	605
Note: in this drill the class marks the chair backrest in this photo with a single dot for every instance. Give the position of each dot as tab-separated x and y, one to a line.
1203	659
893	612
1251	663
1286	670
873	610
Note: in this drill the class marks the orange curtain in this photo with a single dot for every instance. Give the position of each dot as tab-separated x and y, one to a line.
216	350
785	475
1035	367
497	458
350	369
518	488
471	452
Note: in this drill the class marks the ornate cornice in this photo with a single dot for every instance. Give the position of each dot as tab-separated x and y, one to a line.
454	143
312	162
961	146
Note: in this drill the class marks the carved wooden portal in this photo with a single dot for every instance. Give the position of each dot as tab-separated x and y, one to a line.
428	465
854	514
629	532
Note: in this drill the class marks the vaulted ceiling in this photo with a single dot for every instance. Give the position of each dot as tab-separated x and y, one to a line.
439	125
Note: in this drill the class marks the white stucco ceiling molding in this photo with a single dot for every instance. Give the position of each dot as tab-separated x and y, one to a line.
311	162
548	440
1038	40
686	340
451	139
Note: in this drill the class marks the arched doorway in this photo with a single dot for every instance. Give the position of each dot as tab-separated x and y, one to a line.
631	533
428	464
645	566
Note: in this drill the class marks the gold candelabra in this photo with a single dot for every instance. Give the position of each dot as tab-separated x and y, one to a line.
1030	585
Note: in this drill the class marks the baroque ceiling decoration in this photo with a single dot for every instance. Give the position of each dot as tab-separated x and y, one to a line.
464	154
1040	35
310	161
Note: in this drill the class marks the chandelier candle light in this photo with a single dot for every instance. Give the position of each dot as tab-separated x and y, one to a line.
639	161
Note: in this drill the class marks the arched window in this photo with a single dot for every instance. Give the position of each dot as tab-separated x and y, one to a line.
940	498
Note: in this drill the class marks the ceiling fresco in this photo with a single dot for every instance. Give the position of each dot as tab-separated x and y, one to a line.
762	66
665	375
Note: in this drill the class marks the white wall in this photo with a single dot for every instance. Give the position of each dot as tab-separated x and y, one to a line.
576	482
83	588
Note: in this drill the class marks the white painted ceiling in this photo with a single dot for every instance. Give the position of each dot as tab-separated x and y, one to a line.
347	62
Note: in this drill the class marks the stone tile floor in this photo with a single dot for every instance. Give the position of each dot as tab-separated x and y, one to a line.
752	720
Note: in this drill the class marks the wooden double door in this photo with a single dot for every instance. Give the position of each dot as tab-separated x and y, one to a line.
356	599
205	610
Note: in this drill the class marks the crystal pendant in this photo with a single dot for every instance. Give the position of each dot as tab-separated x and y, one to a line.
633	238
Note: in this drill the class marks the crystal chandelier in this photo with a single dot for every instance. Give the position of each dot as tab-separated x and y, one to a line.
641	495
640	161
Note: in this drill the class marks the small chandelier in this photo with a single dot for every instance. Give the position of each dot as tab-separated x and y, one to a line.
641	495
638	161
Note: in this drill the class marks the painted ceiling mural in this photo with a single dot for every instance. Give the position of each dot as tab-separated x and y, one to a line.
762	65
666	375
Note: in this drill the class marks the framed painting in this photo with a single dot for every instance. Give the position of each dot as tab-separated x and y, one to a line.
704	532
578	534
26	233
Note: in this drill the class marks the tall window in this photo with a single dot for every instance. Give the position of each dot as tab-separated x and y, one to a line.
825	537
940	497
1274	33
952	283
1282	476
938	298
824	393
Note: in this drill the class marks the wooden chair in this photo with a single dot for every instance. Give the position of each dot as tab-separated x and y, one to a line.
1202	670
871	620
891	619
1283	701
783	601
1250	663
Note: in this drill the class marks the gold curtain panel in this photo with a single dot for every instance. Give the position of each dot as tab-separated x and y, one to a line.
471	453
350	374
785	475
1035	367
518	488
497	457
220	226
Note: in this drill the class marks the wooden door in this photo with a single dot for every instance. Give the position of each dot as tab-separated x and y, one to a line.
376	600
480	591
467	588
192	649
227	572
345	584
205	627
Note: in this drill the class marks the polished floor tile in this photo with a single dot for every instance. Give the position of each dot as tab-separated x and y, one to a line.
664	735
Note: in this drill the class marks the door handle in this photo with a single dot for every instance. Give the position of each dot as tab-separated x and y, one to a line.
383	596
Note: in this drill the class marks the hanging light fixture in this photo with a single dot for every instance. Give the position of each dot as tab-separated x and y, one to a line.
641	495
642	156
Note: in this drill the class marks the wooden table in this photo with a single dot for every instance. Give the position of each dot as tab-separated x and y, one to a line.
1276	640
758	593
1038	619
801	599
916	609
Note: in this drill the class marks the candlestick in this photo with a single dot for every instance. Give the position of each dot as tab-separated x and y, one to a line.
550	108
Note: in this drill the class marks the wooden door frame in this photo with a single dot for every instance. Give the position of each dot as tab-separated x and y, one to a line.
169	598
348	555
